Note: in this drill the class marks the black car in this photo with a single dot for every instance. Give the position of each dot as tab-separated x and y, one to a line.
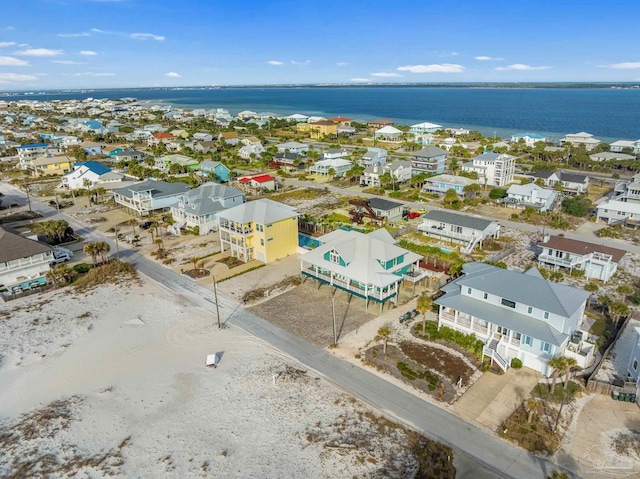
147	224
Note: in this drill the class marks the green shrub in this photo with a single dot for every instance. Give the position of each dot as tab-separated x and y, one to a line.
82	268
468	342
516	363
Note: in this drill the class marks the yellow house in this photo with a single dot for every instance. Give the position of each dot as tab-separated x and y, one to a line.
263	229
52	165
318	129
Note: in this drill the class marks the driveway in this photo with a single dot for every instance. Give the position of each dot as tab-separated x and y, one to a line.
494	397
587	449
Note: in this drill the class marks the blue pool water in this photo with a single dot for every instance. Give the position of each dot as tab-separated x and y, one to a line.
307	242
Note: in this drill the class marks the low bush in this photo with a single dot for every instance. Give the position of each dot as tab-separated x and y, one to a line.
468	342
82	268
516	363
112	272
432	379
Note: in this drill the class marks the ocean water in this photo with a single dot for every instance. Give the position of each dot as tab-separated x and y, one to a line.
609	114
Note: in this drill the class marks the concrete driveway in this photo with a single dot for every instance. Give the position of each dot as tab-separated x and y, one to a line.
494	397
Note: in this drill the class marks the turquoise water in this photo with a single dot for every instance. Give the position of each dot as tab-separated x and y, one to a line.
608	114
445	250
307	242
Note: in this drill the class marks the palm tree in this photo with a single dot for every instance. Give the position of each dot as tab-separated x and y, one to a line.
559	366
591	287
570	363
532	406
102	249
383	333
424	305
604	301
90	249
624	290
60	274
194	261
617	309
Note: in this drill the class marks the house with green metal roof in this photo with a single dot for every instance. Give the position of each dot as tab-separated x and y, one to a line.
517	315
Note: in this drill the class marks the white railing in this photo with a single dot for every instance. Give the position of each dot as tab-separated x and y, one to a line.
444	232
235	228
493	354
346	284
24	263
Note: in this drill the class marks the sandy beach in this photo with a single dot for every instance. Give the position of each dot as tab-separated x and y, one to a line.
112	383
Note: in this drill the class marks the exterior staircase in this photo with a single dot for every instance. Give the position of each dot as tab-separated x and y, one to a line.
491	350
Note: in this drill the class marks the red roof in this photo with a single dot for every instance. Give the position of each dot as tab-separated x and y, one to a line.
163	136
339	119
257	179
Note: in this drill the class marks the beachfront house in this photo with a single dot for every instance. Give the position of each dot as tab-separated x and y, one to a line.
575	183
200	206
339	166
493	169
318	129
531	196
517	315
380	123
370	266
148	196
23	262
581	139
468	231
209	167
430	159
597	261
388	133
425	127
611	156
440	184
529	139
626	146
264	230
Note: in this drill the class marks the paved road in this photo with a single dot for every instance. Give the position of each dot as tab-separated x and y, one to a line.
478	455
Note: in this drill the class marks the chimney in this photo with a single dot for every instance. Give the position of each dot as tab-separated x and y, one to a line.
546	238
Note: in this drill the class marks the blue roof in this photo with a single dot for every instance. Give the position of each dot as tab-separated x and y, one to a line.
97	168
93	124
530	135
34	145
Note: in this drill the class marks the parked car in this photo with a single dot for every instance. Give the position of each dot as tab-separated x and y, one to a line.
147	224
422	211
58	258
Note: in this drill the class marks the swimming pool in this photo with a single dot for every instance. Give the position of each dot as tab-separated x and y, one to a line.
308	242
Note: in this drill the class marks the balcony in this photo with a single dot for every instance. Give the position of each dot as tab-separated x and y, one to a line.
369	292
436	230
236	228
25	263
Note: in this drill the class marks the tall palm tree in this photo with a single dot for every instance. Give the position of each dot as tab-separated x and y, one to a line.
103	248
570	363
559	366
424	305
194	261
532	406
383	333
591	287
617	309
90	249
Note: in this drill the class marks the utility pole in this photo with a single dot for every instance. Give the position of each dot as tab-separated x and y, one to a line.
117	248
26	188
333	309
215	293
57	205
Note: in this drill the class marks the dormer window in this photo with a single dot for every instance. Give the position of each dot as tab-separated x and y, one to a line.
334	257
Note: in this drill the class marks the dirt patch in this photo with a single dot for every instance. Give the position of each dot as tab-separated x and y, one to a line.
306	311
396	363
438	360
260	293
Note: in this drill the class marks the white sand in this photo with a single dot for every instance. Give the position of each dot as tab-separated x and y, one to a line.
145	379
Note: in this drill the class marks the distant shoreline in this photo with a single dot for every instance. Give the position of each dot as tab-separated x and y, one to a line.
482	85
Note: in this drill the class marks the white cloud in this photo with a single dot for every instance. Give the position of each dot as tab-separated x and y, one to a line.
522	67
275	62
622	66
93	74
454	54
360	80
386	74
39	52
66	62
341	64
87	53
13	62
147	36
74	35
433	68
7	44
484	58
15	77
97	30
306	62
173	75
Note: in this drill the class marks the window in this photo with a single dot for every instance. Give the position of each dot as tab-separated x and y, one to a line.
507	302
546	315
261	242
485	296
260	228
546	347
468	290
635	364
529	310
334	257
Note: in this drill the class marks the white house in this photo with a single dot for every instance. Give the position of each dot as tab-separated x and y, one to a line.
369	266
202	136
610	156
597	261
530	139
517	315
624	205
292	147
581	138
389	210
373	156
400	171
84	175
23	261
247	150
150	195
468	231
531	195
334	153
200	206
622	145
440	184
425	127
338	165
389	133
570	182
493	169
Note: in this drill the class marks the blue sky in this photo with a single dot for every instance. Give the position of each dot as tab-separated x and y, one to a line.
145	43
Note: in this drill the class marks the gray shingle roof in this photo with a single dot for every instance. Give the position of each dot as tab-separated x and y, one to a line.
429	152
206	198
383	205
14	246
158	188
457	219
